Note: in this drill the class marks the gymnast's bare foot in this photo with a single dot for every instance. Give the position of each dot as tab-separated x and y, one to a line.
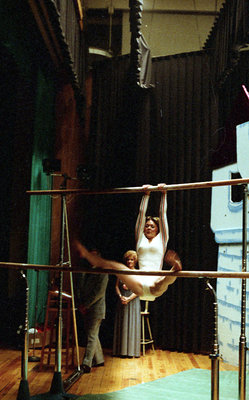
94	259
172	259
81	250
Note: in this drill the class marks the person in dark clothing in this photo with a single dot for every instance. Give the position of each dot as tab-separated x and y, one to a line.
90	294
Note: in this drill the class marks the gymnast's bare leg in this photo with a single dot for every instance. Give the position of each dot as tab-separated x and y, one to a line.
162	283
158	287
130	280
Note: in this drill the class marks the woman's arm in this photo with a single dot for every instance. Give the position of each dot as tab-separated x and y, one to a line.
163	222
139	228
131	297
117	288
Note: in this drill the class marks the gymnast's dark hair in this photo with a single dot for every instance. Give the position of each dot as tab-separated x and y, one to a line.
154	219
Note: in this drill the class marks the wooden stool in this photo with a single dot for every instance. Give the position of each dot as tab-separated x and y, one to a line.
145	316
50	327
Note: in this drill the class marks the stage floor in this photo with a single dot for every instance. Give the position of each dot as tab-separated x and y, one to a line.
116	374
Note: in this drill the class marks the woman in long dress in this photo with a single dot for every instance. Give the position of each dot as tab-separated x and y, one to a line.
127	324
152	239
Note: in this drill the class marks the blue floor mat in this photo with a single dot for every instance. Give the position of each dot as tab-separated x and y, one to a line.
194	384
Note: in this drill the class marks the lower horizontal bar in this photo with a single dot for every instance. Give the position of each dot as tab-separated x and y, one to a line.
180	274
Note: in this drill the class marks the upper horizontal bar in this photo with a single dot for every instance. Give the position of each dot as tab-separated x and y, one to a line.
180	274
181	186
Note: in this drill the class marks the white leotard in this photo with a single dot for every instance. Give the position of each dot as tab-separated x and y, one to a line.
151	253
150	256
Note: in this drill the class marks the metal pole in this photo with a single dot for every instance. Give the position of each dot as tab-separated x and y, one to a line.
215	357
78	269
242	342
57	384
67	383
23	391
72	290
34	358
140	189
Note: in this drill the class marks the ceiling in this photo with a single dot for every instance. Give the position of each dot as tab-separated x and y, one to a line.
169	26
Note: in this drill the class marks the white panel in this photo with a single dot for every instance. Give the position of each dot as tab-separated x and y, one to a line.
242	136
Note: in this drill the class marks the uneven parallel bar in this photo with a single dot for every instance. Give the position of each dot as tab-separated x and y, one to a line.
180	274
181	186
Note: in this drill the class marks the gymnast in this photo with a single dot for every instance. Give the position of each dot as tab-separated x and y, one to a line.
151	235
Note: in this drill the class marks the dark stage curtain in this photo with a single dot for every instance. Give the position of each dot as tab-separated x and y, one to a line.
28	137
162	134
233	110
111	156
40	206
180	140
228	45
227	38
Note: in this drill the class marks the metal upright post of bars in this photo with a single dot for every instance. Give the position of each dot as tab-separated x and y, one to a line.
215	356
57	384
242	343
71	379
23	391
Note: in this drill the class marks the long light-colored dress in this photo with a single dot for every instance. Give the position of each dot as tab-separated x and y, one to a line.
127	326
